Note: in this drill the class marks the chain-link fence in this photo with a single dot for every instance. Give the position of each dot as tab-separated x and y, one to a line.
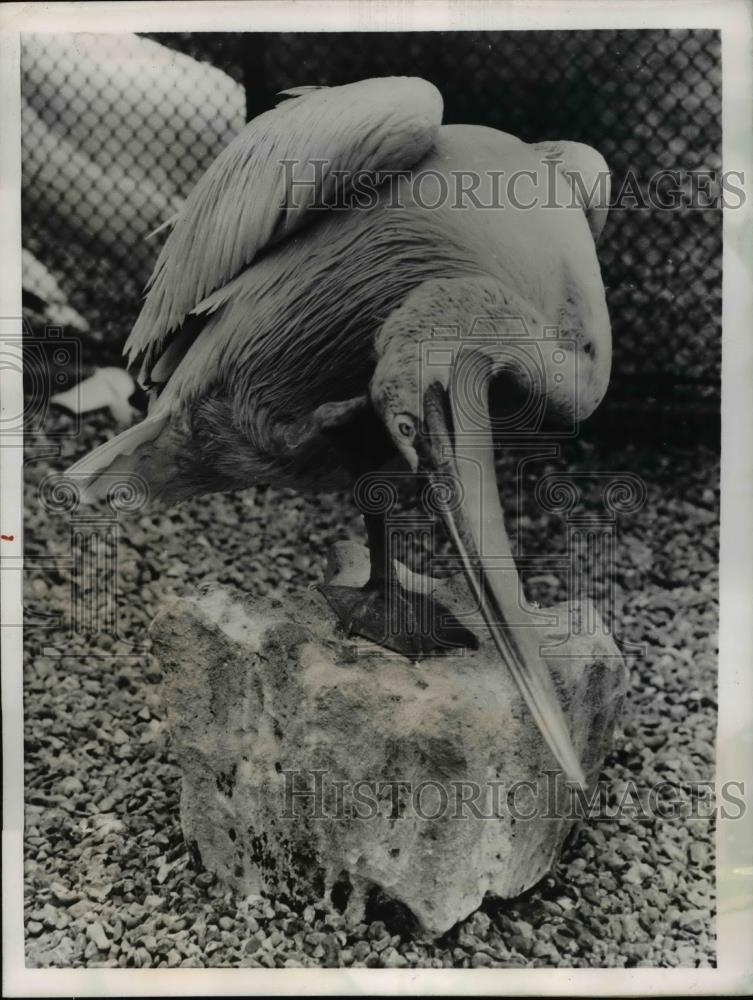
117	129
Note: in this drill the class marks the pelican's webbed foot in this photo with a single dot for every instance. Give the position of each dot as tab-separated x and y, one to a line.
409	623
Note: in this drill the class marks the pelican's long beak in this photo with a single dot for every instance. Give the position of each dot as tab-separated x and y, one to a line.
476	527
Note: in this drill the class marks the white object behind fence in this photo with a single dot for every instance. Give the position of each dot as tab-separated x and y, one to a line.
116	130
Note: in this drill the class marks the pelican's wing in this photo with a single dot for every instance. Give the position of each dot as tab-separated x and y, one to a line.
588	174
271	179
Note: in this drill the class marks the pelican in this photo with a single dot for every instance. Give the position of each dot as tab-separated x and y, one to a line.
280	335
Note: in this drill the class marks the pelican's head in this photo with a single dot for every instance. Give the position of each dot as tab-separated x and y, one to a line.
424	415
395	396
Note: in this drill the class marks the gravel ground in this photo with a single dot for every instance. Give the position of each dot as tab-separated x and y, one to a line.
108	881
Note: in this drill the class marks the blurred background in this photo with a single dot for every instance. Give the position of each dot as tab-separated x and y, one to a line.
118	128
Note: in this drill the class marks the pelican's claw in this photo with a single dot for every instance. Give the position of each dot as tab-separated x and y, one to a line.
409	623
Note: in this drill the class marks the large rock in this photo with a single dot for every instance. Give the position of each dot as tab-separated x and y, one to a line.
311	761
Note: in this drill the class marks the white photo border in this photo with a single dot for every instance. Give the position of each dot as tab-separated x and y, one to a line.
734	974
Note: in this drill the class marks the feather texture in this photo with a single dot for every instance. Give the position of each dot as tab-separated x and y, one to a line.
259	369
264	185
296	330
587	175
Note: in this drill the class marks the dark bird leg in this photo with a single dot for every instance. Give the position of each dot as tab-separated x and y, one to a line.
383	610
410	623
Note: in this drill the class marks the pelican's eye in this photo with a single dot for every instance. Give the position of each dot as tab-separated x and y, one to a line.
406	428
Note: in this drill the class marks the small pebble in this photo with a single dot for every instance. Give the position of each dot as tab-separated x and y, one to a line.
96	934
360	950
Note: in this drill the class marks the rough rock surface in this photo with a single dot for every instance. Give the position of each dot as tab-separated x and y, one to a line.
103	841
262	694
